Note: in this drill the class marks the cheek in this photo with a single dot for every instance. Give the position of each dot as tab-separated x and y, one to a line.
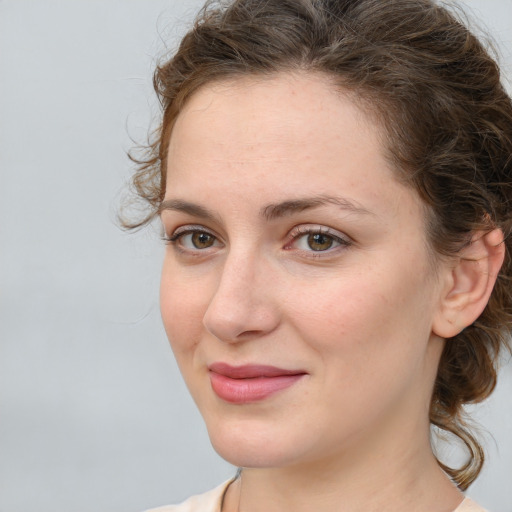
370	337
182	311
376	315
341	318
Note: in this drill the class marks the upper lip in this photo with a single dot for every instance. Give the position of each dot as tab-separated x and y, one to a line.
251	371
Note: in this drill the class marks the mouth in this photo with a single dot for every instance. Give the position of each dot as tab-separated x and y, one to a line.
250	383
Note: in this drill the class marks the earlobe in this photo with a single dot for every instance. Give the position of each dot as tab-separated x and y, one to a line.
470	283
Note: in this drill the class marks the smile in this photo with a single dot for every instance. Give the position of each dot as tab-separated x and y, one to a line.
250	383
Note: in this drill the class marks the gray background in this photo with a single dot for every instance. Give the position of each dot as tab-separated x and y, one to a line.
93	413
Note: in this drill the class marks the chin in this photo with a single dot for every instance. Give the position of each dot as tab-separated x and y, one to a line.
238	454
252	447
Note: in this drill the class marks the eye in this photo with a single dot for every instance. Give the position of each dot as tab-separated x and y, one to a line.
197	240
316	242
193	239
315	239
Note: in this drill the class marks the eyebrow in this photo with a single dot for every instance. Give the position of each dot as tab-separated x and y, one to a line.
274	211
192	209
271	211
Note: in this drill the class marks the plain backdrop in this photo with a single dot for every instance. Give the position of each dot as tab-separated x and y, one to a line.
93	413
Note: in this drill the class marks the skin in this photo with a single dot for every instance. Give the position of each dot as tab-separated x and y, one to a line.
359	318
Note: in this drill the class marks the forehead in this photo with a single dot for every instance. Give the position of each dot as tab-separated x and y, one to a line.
288	136
298	109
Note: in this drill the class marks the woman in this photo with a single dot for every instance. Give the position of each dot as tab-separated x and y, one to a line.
334	182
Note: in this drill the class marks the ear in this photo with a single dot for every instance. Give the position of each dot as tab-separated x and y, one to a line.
469	283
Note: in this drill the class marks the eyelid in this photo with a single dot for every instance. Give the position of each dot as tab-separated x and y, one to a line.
191	228
310	229
174	237
170	234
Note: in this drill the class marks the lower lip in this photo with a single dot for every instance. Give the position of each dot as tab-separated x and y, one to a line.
242	391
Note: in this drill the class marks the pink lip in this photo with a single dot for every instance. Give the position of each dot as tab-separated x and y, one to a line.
250	383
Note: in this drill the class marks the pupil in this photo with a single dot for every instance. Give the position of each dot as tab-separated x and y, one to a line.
202	240
319	242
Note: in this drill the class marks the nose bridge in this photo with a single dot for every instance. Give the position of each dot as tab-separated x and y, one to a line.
241	305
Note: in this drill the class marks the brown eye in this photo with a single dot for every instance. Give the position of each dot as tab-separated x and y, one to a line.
319	242
202	240
318	239
193	240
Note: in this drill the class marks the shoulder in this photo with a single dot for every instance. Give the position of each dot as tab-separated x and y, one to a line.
468	505
207	502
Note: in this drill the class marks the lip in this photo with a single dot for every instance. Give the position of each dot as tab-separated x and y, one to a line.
250	383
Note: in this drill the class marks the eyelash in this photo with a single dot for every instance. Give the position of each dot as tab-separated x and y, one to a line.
295	235
179	233
302	231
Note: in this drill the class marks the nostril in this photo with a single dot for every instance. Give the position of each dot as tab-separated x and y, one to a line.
242	323
249	334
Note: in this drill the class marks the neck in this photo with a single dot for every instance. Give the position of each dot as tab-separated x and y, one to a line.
399	479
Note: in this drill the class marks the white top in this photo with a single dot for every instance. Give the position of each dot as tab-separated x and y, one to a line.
211	501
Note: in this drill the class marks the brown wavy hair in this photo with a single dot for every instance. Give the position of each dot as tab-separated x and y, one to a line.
434	88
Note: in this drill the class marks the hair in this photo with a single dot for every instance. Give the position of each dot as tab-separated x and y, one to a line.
448	124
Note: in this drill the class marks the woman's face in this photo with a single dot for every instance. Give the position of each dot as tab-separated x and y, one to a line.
297	289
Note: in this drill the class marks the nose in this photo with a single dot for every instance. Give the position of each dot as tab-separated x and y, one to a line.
243	305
